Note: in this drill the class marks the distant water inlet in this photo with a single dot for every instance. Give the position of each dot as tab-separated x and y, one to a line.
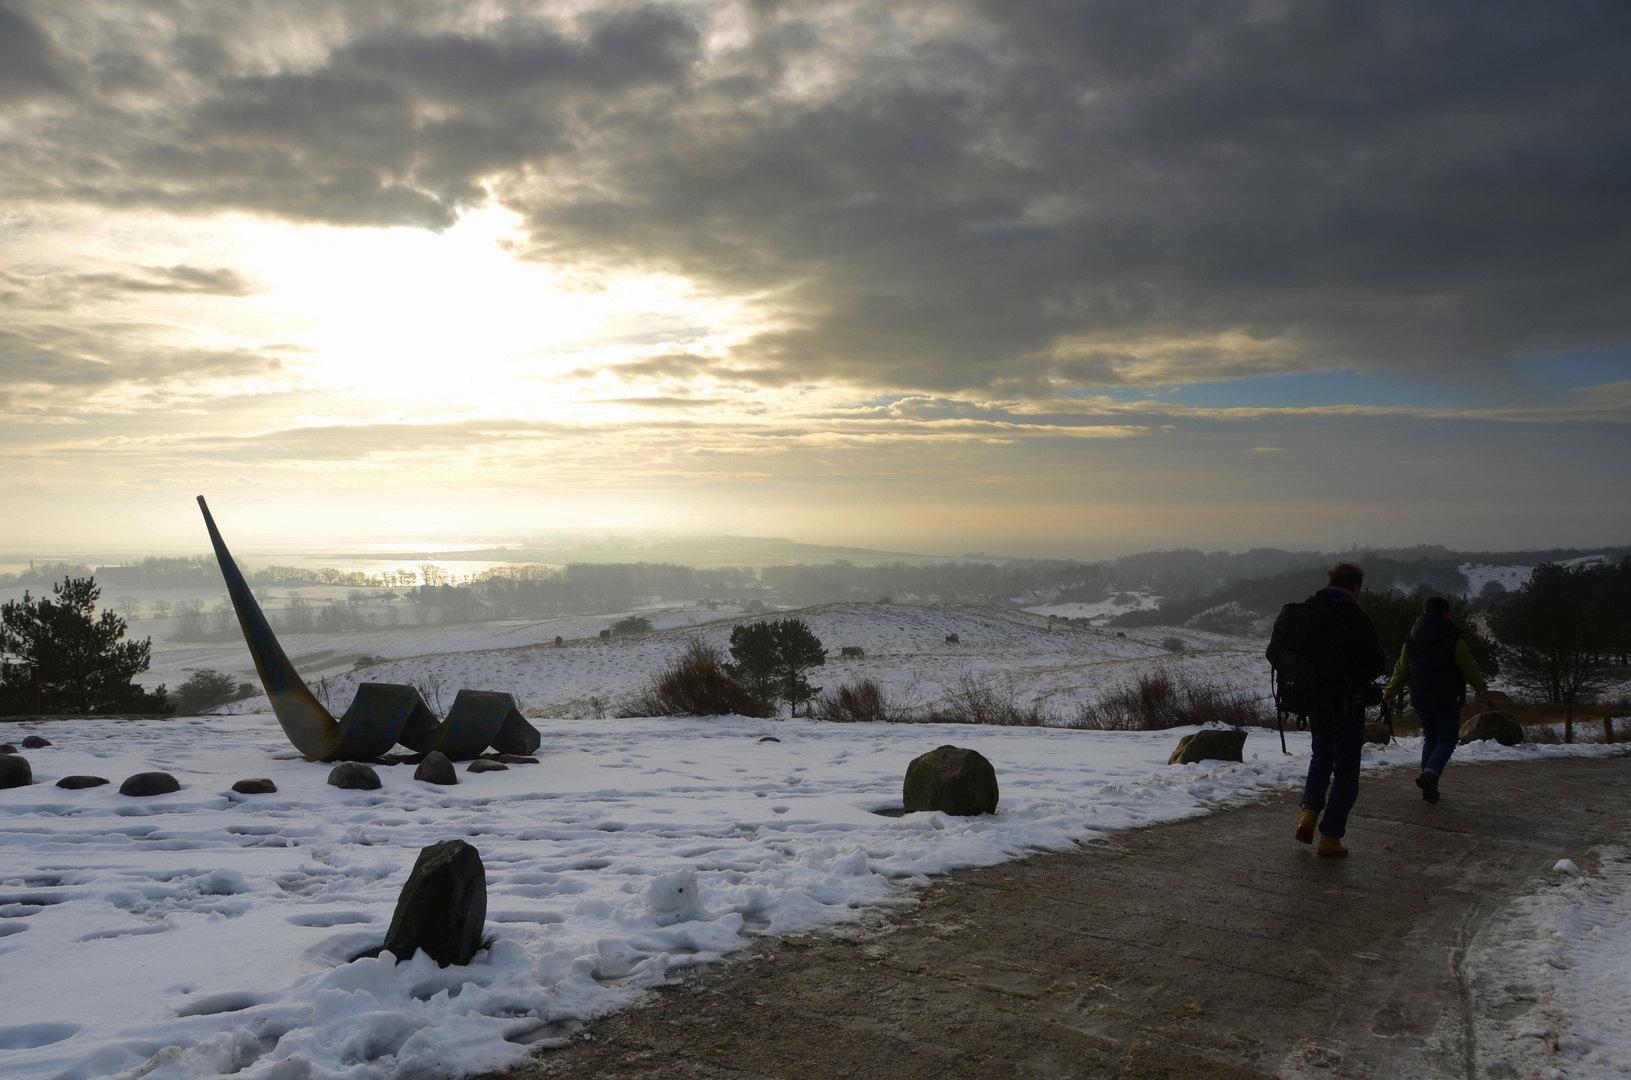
382	714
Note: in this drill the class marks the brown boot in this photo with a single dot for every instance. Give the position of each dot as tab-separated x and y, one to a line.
1331	847
1305	826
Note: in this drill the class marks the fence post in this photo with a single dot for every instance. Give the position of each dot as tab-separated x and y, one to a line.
34	686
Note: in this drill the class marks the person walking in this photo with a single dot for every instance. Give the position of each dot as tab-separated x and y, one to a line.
1349	658
1437	666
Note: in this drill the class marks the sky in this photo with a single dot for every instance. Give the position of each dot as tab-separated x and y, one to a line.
1048	279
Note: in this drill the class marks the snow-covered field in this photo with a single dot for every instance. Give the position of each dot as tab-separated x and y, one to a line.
905	647
205	933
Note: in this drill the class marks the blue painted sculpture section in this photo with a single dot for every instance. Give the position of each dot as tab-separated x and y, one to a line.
382	714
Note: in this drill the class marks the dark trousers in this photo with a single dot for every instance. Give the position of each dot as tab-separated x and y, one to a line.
1334	768
1440	731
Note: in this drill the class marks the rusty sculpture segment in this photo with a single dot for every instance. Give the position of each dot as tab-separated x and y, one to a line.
382	714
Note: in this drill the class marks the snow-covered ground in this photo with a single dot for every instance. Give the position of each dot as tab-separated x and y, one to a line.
1511	578
1099	610
905	648
1553	986
206	933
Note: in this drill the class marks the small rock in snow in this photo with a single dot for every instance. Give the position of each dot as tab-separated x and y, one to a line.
770	738
34	742
255	786
436	769
486	765
144	784
7	748
74	783
354	774
1567	867
15	771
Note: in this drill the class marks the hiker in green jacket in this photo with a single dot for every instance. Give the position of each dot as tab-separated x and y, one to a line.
1437	666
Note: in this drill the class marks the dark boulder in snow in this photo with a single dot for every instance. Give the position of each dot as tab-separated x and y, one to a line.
75	783
34	742
354	774
1210	745
7	748
486	765
1503	727
953	780
15	771
144	784
1378	734
258	785
436	769
443	905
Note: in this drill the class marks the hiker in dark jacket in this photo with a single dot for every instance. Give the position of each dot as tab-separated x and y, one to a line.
1437	665
1338	723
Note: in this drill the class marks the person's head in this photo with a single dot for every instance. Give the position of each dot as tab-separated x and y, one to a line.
1436	605
1345	575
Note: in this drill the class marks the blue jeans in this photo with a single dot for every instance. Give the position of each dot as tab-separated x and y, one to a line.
1338	741
1440	732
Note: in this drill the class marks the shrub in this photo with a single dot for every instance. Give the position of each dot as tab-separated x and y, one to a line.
1161	699
1173	644
207	688
983	699
856	702
695	683
631	624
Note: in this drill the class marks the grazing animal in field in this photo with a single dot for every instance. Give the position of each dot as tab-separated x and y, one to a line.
951	639
605	633
851	652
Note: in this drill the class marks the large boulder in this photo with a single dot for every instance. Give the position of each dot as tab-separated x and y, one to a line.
15	771
443	906
1209	745
1503	727
437	768
7	748
78	783
354	774
34	742
144	784
953	780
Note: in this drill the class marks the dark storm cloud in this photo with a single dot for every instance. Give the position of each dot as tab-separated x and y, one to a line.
1001	196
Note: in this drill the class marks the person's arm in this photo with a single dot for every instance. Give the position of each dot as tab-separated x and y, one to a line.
1468	666
1401	674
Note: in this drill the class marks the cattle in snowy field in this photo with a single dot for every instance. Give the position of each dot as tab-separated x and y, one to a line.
605	634
951	639
851	652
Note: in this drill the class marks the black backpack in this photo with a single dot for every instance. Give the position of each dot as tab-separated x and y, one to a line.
1306	661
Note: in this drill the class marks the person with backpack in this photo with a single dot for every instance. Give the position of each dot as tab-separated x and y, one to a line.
1326	656
1437	666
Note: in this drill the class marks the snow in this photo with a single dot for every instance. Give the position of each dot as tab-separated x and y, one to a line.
1512	578
1553	985
204	933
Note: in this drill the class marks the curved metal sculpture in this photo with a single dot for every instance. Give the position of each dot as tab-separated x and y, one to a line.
382	714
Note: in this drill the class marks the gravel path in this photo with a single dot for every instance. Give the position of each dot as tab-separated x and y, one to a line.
1215	948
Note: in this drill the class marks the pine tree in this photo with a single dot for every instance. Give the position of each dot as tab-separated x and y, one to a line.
85	666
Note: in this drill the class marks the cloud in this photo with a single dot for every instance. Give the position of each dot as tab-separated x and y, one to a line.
941	197
62	291
30	65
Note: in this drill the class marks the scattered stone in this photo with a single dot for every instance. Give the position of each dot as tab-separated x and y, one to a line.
1503	727
1378	734
559	641
486	765
436	769
1209	746
770	738
7	748
144	784
34	742
354	774
443	906
852	652
74	783
511	759
15	771
953	780
400	759
256	786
